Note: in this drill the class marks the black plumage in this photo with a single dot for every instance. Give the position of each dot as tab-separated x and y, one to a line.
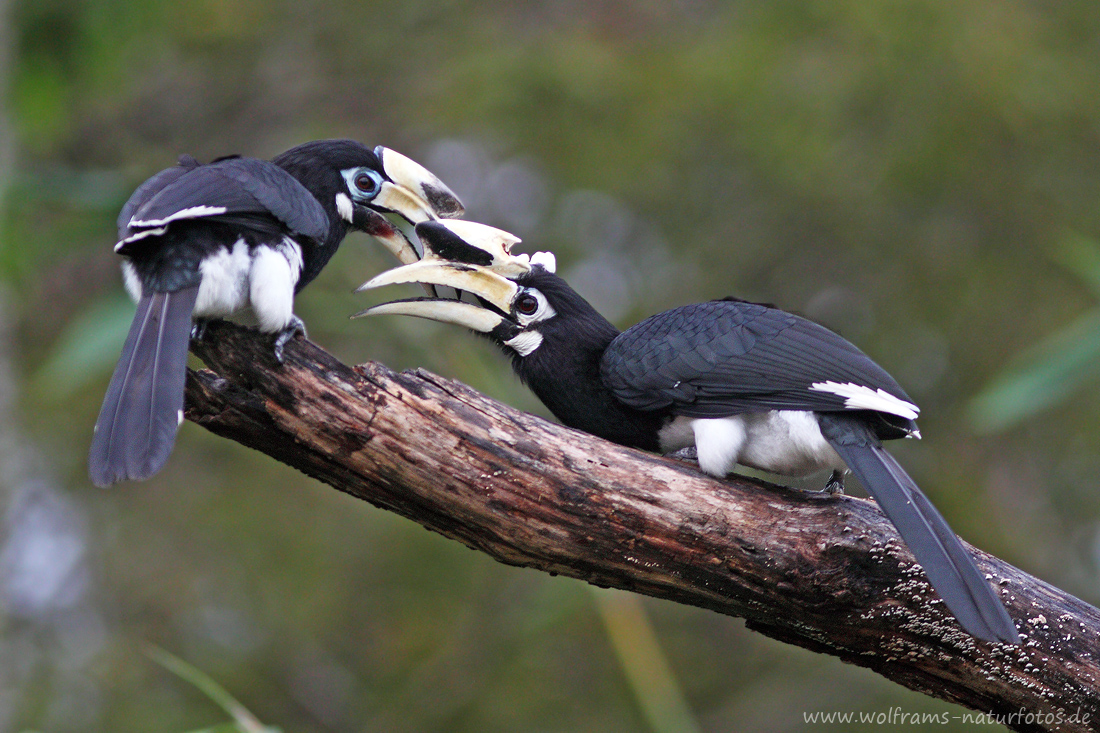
729	356
204	241
143	406
742	382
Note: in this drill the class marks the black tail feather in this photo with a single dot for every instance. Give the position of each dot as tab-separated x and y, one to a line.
948	565
137	424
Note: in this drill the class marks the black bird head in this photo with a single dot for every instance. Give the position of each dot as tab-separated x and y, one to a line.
554	337
521	301
357	186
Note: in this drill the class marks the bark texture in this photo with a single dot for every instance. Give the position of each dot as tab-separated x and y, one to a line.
828	573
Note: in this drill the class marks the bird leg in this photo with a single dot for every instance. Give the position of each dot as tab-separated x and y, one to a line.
198	329
835	485
295	326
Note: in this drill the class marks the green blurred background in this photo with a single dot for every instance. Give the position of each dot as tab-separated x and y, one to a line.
920	176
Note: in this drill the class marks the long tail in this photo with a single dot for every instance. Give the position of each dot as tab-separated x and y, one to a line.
141	413
947	564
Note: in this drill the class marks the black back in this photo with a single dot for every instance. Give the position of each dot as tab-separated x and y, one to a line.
725	357
235	190
237	197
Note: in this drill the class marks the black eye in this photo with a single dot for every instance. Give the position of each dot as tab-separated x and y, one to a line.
527	304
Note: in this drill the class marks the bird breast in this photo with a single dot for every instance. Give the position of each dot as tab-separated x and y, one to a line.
786	442
224	285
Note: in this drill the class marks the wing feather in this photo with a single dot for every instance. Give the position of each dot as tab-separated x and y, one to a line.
248	191
152	186
725	356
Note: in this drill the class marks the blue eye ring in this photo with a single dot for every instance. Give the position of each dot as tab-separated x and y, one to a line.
364	183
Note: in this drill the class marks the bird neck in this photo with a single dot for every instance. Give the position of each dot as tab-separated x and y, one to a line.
315	255
564	372
310	173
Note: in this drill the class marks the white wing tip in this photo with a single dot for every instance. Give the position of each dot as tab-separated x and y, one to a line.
140	235
861	397
193	212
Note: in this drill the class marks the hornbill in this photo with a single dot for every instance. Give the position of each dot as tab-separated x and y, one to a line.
203	241
741	382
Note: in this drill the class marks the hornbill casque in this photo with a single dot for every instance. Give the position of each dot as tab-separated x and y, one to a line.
742	383
203	241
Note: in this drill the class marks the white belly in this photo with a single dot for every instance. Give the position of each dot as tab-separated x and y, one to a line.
224	286
786	442
232	279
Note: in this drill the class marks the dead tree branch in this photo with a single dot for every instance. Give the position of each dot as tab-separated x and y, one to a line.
827	573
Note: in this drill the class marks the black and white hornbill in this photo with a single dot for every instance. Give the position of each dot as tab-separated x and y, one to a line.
741	382
203	241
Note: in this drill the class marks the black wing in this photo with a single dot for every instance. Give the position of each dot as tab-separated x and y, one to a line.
723	357
280	193
154	185
230	189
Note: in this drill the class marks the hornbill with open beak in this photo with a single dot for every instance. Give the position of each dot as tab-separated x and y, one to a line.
741	382
203	241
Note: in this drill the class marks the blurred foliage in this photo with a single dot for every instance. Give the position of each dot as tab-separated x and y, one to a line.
242	720
1057	367
904	172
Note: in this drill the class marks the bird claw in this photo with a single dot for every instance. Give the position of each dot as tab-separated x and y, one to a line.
198	329
295	326
835	485
689	454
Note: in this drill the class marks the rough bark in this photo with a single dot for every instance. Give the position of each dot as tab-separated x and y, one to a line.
824	572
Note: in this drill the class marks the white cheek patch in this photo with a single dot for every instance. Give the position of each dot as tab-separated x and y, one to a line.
344	207
525	342
859	397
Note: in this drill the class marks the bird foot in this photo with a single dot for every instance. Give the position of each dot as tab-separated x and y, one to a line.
835	485
688	455
293	328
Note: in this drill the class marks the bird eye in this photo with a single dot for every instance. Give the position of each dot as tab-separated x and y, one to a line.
363	183
527	304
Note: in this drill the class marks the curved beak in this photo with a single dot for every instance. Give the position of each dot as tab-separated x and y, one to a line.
482	281
382	229
413	191
466	256
471	316
474	244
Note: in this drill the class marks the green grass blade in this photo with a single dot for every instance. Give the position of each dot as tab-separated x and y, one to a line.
647	670
1043	376
243	720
